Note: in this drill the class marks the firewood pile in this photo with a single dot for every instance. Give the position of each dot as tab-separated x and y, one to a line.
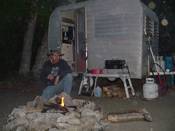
113	91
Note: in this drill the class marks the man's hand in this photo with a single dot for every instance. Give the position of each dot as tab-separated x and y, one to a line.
56	80
50	77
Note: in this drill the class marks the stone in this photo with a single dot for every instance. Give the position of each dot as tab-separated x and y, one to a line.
20	122
63	125
69	118
88	121
54	129
88	112
21	128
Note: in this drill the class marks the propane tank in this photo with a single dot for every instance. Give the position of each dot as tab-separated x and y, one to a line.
150	89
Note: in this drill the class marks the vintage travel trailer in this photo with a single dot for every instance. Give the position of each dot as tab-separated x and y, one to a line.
91	32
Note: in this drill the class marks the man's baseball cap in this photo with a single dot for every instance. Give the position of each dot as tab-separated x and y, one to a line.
55	51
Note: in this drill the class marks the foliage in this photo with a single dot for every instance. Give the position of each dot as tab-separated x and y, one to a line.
13	15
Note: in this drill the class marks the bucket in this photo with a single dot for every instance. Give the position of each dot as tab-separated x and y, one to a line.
150	89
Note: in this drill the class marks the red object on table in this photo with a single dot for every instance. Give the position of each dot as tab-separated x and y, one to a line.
96	71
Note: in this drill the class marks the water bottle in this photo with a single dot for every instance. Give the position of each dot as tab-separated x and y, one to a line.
97	92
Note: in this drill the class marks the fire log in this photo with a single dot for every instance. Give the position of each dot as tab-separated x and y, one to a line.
130	116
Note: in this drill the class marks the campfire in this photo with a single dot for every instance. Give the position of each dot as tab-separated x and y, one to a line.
59	105
62	113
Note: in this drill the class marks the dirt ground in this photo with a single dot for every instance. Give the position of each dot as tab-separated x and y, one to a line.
162	109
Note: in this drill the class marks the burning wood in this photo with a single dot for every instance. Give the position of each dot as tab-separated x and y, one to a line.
59	105
129	116
62	101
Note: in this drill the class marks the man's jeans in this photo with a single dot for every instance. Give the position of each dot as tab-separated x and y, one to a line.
64	85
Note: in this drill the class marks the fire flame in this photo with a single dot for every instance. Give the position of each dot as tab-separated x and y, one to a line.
62	102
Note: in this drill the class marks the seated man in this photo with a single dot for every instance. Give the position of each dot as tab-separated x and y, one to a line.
57	76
